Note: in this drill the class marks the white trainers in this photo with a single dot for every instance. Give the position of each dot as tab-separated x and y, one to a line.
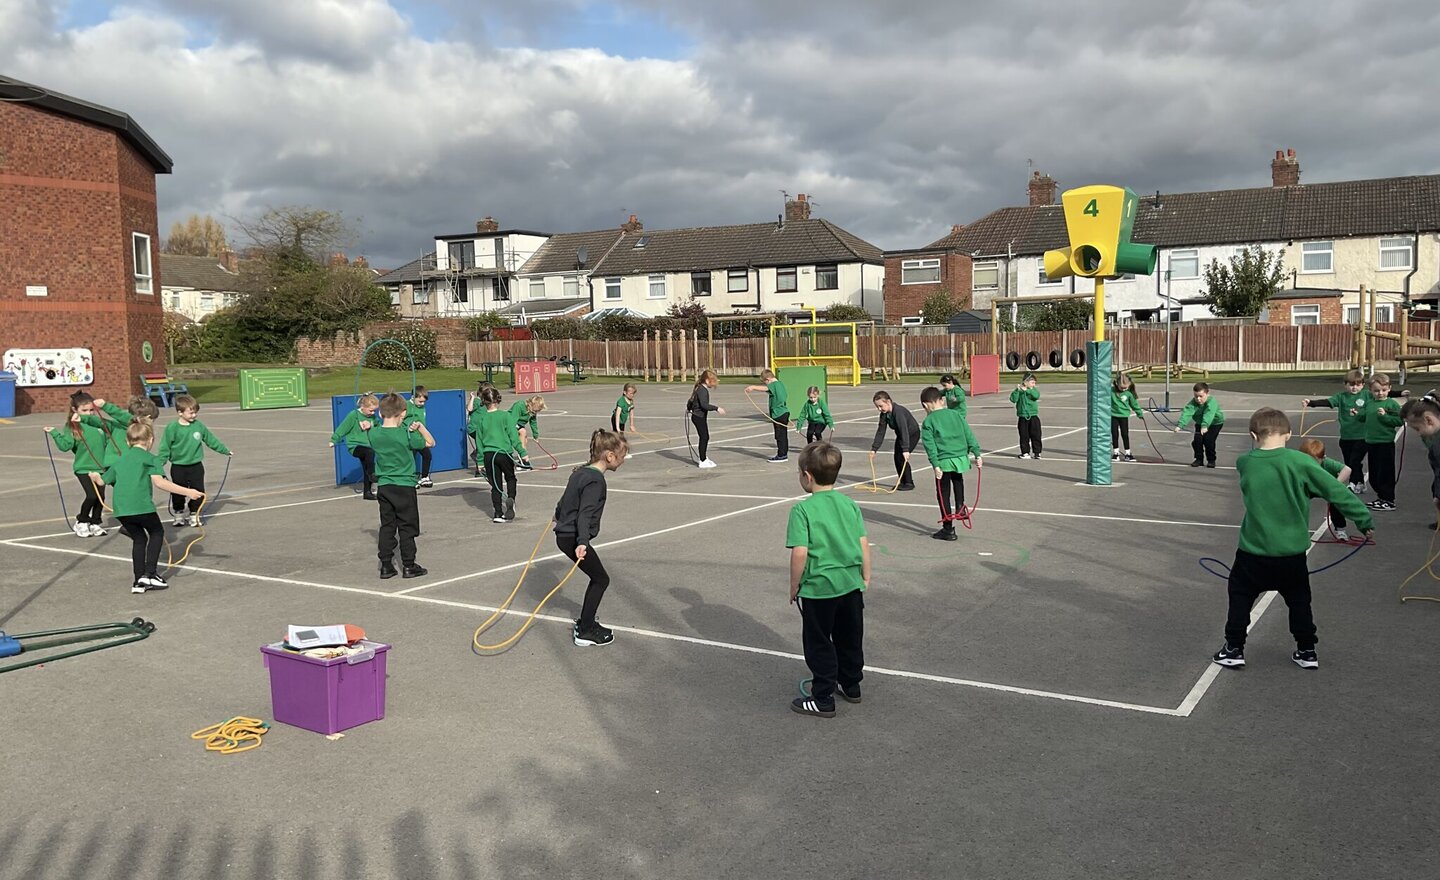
139	586
82	530
178	518
1023	455
707	463
97	531
1342	535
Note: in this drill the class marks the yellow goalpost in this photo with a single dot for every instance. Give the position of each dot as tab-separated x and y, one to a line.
832	345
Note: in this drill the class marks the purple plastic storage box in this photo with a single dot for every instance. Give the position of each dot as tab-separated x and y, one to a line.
327	696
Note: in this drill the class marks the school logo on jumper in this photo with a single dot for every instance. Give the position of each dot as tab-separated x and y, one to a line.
195	434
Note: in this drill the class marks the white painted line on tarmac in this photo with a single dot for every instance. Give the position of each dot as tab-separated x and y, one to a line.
648	633
1095	516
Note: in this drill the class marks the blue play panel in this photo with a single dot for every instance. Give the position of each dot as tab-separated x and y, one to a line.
444	417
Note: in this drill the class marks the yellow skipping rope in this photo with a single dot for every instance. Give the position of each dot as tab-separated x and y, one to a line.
1428	568
873	486
529	620
239	734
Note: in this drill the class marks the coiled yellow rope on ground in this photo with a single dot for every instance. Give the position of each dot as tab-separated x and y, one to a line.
239	734
529	620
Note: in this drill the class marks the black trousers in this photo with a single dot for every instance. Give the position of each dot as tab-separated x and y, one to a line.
833	633
1337	519
426	456
947	486
1382	469
814	432
1287	575
500	466
1353	454
147	537
593	569
1029	428
702	434
191	476
1120	430
615	422
902	467
92	506
782	434
367	463
1203	444
399	522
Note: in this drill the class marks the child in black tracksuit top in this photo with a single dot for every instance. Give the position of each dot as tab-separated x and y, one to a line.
577	522
907	436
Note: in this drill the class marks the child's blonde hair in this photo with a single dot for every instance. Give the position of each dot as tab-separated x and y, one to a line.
813	389
367	399
139	433
1123	381
767	374
1355	377
535	404
184	402
1267	421
1379	379
628	386
141	407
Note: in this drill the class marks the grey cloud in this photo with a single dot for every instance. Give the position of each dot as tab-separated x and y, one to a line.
345	33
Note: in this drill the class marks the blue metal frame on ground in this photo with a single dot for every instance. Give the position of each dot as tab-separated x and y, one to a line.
445	418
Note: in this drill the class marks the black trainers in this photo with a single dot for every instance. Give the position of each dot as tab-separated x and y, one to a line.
370	495
413	570
1306	659
944	535
591	635
808	706
1381	504
1209	464
387	569
524	465
1129	457
1233	658
139	586
1196	463
849	694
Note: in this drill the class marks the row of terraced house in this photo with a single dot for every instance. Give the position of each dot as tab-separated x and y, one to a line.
1332	238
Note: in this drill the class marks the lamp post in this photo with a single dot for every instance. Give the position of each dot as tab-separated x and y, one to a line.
1169	303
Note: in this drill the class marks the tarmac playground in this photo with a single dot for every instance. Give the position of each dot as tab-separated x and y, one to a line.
1039	700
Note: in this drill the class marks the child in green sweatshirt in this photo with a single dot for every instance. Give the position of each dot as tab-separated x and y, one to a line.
1350	408
950	444
497	438
1382	417
354	431
1026	398
415	412
183	445
1277	484
816	415
527	424
1123	402
1204	411
954	394
91	445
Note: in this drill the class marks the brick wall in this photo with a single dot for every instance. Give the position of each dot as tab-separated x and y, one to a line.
906	300
72	194
1331	309
344	350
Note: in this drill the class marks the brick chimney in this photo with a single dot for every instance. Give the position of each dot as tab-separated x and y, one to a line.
955	228
1042	189
632	225
487	224
1285	169
229	260
797	208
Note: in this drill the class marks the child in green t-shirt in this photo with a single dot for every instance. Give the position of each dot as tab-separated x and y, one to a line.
1276	485
816	415
415	412
135	477
778	412
498	440
950	445
1337	469
183	445
395	442
622	418
829	571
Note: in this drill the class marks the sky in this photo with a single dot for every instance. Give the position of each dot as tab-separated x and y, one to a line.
897	118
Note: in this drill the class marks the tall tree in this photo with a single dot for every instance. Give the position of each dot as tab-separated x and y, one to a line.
197	236
939	307
1241	289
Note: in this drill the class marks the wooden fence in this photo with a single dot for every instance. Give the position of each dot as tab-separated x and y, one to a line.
1207	346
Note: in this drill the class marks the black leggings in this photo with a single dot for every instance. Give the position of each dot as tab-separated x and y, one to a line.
594	569
814	432
498	466
950	485
702	430
1029	428
1382	469
367	464
191	476
782	434
1120	430
93	504
1353	451
425	459
1203	445
147	536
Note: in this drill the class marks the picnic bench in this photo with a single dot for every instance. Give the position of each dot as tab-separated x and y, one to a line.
576	368
160	388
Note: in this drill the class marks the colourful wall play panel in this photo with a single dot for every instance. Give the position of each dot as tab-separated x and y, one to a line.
275	388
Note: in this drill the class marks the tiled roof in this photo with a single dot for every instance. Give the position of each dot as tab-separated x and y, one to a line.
408	273
539	308
720	247
197	273
1396	205
38	96
559	252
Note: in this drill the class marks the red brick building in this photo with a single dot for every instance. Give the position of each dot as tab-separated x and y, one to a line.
912	276
78	240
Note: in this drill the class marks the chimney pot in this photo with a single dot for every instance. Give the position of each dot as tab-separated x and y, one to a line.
797	208
1285	169
955	227
632	225
1042	189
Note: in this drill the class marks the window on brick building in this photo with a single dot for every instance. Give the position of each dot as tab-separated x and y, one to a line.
786	279
986	276
144	278
1304	314
1384	314
919	271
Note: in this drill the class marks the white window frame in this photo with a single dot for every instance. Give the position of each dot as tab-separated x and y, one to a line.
420	295
1384	313
793	273
1314	249
1043	280
207	302
1311	310
1186	256
536	284
395	295
570	286
144	276
987	267
912	320
1405	245
909	268
733	275
613	292
660	283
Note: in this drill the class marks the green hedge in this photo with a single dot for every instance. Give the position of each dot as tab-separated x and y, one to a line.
419	340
